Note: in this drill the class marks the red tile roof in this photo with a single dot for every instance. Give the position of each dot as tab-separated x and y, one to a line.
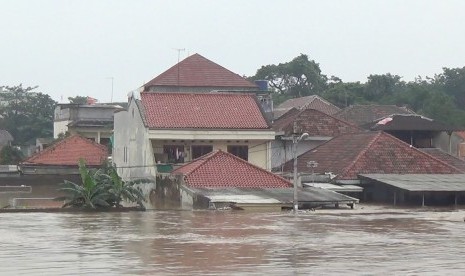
203	110
68	152
309	102
369	152
197	71
313	122
362	114
220	169
446	157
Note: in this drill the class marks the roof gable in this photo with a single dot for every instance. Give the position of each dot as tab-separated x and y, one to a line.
308	102
197	71
315	123
362	114
68	152
220	169
203	110
370	152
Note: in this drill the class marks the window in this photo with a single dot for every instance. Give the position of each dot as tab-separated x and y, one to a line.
174	153
239	151
198	151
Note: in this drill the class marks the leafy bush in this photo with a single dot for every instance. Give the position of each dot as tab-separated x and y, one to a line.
100	189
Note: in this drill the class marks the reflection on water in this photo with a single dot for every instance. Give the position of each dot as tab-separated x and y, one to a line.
177	242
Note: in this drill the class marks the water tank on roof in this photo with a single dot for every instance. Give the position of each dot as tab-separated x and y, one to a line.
262	85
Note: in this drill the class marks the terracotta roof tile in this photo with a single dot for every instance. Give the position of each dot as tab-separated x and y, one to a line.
197	71
309	102
220	169
362	114
370	152
313	122
446	157
68	152
203	110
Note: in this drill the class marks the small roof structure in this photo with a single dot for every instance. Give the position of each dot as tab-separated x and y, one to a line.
280	196
198	71
68	152
334	187
369	152
202	111
220	169
308	102
407	122
313	122
363	114
421	182
445	157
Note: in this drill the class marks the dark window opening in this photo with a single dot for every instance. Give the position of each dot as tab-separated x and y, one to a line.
240	151
198	151
174	153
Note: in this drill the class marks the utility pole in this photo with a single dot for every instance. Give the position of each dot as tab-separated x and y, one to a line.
296	138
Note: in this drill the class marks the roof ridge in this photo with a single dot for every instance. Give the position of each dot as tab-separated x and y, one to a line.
186	60
434	157
204	158
221	152
370	144
57	143
337	119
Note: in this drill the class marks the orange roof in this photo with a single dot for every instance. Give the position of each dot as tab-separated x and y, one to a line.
203	110
369	152
68	152
197	71
220	169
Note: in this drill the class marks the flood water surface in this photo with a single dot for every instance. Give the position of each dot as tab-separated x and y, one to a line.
233	243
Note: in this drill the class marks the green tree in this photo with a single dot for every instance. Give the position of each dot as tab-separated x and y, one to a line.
379	87
78	100
10	156
26	114
345	94
297	78
452	80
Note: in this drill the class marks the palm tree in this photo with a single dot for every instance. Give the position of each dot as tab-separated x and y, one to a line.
102	188
122	190
91	194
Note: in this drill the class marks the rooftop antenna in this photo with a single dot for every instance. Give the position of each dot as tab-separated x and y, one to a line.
179	55
111	78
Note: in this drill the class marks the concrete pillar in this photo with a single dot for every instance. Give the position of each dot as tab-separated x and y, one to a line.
423	200
395	198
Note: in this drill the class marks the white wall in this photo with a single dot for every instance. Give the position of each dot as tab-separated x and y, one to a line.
282	150
132	150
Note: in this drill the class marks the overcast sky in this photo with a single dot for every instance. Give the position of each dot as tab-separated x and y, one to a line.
71	48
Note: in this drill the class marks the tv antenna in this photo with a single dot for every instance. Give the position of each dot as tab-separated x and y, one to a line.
179	56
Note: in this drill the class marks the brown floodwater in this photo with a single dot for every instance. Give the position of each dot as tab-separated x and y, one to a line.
394	242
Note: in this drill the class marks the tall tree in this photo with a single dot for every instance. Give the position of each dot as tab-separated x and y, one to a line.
26	114
297	78
382	86
453	82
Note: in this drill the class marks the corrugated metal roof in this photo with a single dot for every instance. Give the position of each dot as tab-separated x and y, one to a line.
421	182
333	187
273	196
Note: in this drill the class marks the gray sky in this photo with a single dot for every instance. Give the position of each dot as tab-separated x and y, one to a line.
71	48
